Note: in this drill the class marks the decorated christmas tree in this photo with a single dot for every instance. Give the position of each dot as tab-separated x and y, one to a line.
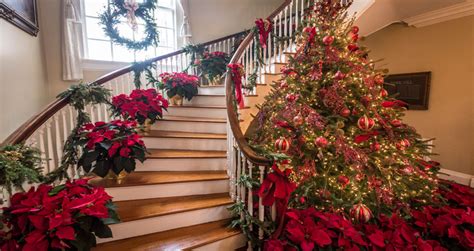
345	163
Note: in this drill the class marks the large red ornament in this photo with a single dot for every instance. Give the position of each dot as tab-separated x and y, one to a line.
403	144
352	47
282	145
396	122
361	213
345	112
328	40
383	93
365	123
290	97
343	180
321	142
375	147
355	29
298	120
379	79
339	75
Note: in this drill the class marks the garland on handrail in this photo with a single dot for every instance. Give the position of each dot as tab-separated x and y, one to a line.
79	96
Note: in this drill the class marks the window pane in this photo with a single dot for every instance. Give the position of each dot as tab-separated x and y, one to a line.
162	51
99	50
163	35
122	54
94	7
140	33
164	18
143	55
170	36
125	30
166	3
94	29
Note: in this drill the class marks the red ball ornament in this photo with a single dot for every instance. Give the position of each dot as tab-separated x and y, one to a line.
355	29
365	123
343	180
290	97
302	199
403	144
321	141
366	100
328	40
361	213
383	93
345	112
282	145
352	47
354	37
396	122
379	79
375	147
339	75
298	120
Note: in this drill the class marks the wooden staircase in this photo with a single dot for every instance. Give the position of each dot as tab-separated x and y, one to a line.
178	198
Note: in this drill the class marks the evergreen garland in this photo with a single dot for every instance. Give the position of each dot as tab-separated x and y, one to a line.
111	18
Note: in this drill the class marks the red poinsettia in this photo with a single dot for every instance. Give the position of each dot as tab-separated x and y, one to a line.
111	146
50	217
140	105
179	83
276	186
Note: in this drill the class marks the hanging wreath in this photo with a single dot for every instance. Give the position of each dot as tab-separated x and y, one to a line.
131	10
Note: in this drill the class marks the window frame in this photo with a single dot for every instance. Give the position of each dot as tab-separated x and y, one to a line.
89	63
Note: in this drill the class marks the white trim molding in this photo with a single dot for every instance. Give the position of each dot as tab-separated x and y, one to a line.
442	15
460	178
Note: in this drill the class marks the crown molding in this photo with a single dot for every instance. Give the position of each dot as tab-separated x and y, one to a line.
442	15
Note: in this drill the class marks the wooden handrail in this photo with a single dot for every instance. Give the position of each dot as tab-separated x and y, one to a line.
30	126
245	148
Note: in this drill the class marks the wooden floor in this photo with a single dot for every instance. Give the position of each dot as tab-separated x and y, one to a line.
141	209
177	239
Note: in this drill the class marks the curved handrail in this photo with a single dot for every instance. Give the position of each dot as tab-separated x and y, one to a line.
31	125
232	115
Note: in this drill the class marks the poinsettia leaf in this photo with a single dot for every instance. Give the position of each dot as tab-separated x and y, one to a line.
100	169
56	190
117	166
128	164
100	229
89	157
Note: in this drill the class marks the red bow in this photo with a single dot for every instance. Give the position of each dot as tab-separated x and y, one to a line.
395	103
264	28
236	73
364	137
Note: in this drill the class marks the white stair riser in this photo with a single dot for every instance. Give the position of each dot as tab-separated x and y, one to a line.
198	112
206	100
166	222
231	243
184	164
186	144
168	190
211	90
186	126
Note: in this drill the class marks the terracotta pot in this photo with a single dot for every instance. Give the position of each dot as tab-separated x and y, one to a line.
176	100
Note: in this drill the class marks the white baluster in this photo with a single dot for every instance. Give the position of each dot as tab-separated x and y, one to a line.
50	149
261	209
58	139
42	147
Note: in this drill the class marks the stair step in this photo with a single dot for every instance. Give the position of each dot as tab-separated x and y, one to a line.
193	154
160	177
142	209
219	112
193	119
191	124
183	135
177	239
208	99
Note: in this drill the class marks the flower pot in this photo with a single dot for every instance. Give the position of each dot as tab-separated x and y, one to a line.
118	178
176	100
147	125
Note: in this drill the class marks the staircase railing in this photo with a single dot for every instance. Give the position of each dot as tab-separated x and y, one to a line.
244	162
49	129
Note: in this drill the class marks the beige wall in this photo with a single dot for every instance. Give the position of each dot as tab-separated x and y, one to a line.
445	49
211	19
23	87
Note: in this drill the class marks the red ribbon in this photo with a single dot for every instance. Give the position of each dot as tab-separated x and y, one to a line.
236	73
364	137
395	103
264	28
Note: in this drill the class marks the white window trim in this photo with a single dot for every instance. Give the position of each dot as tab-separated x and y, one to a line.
105	65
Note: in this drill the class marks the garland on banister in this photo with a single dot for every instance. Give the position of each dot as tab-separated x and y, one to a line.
348	173
79	96
131	10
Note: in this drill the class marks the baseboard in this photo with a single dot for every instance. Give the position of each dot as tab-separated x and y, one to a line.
458	177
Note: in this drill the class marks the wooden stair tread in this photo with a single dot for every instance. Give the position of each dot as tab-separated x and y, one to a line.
142	209
211	86
160	177
211	95
187	135
193	119
199	106
174	154
176	239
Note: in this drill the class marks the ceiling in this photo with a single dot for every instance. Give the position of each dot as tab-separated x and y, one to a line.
373	15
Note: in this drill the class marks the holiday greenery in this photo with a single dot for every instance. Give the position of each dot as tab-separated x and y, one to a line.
64	217
79	96
179	84
110	147
131	10
212	65
19	164
348	173
140	105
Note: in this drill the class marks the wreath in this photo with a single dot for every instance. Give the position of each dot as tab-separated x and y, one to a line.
132	10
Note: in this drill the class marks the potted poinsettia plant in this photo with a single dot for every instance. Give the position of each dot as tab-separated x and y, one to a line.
143	106
179	85
110	148
65	217
212	66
